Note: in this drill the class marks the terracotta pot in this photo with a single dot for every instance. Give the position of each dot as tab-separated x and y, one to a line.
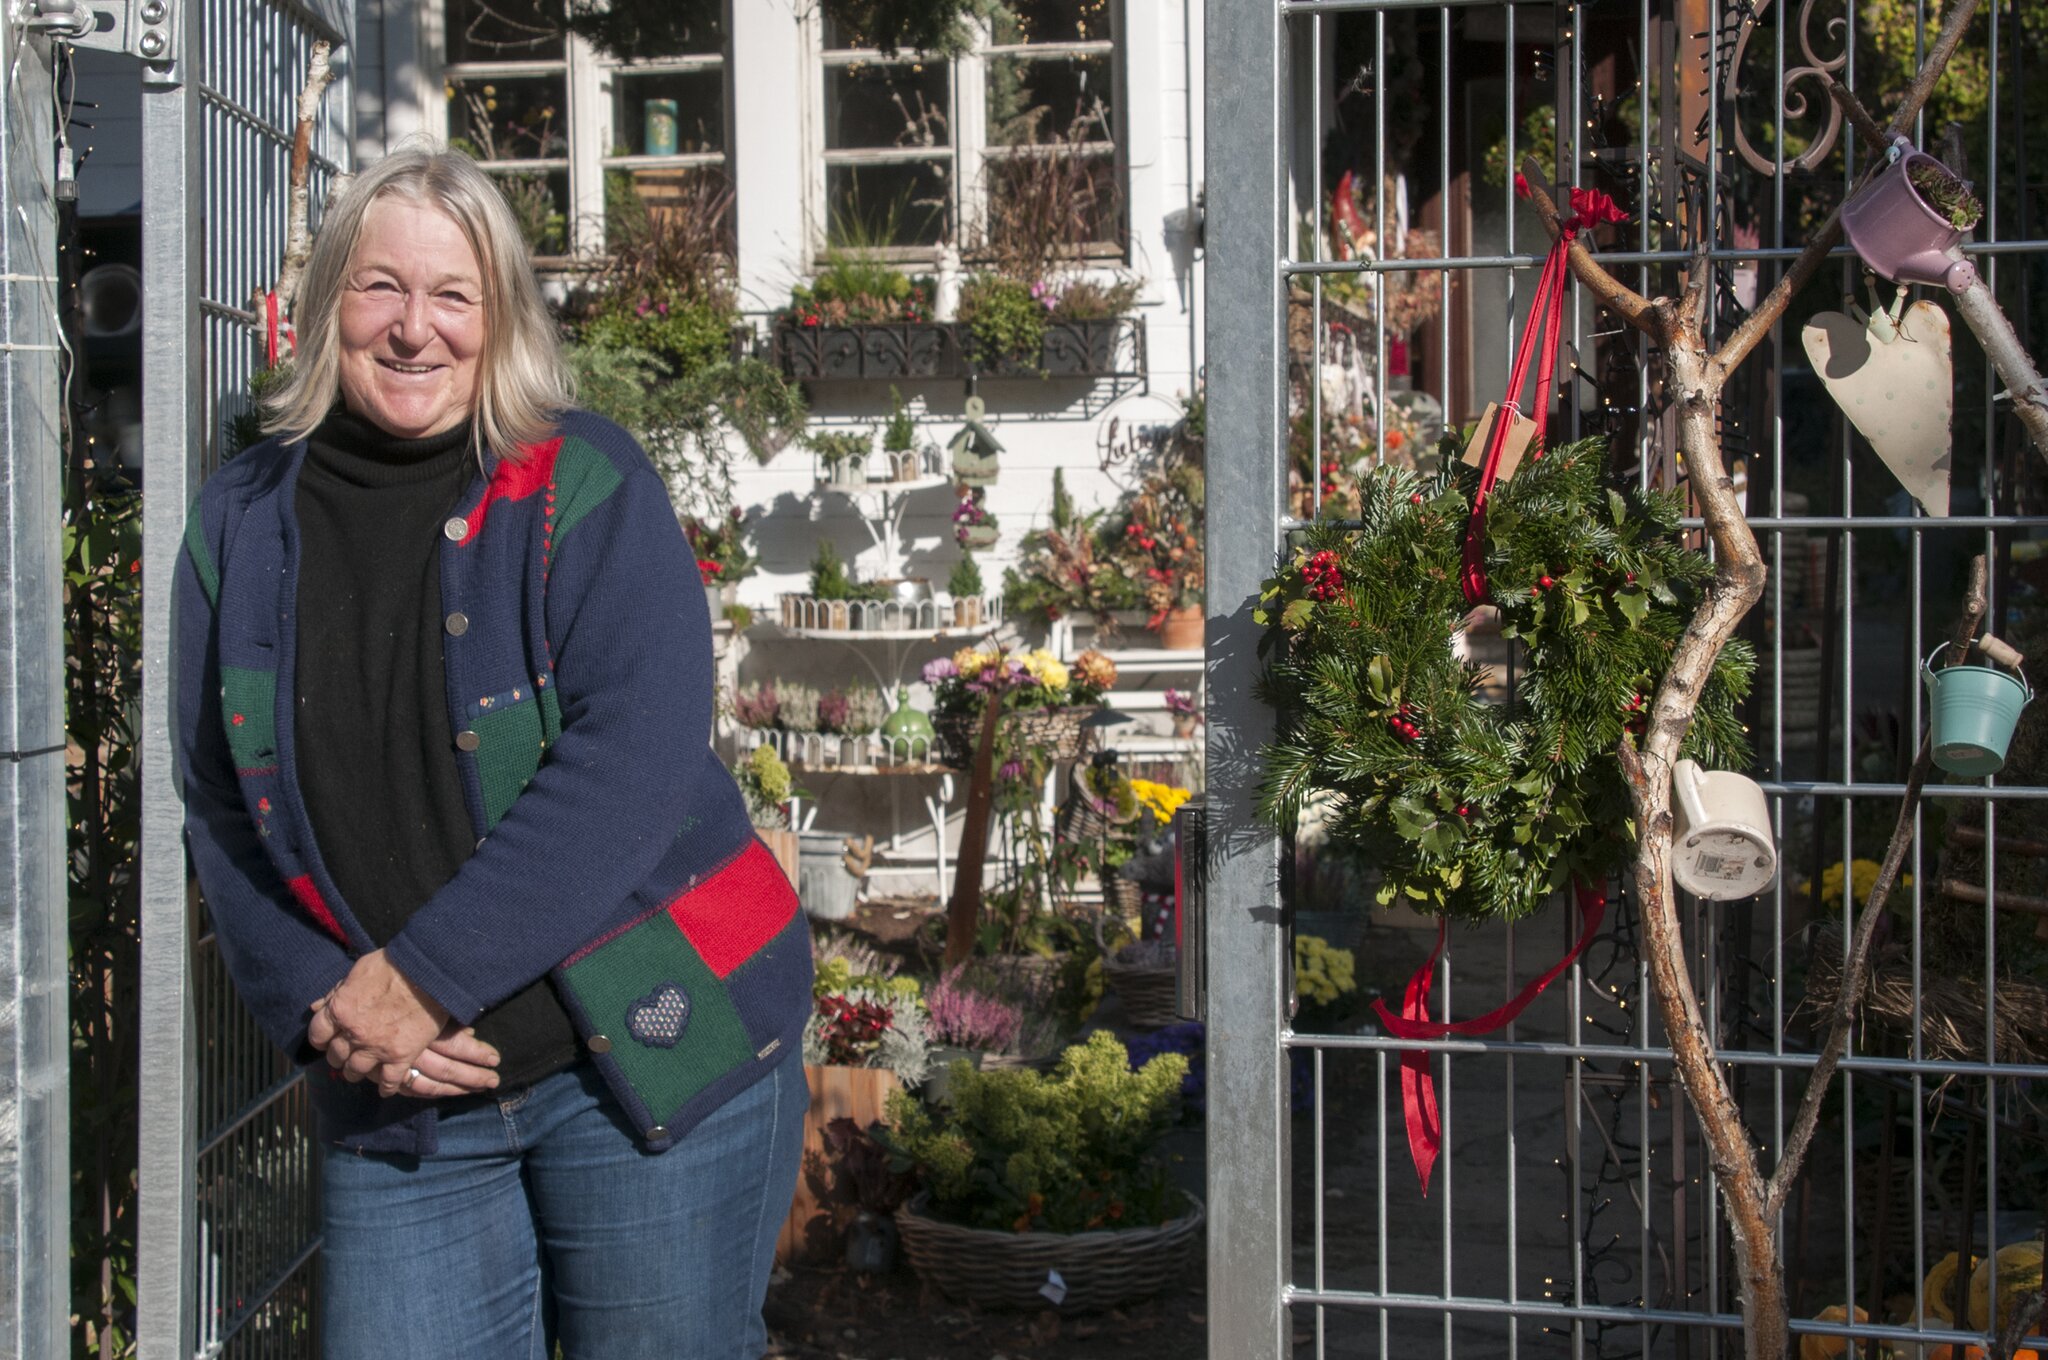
1183	724
815	1231
1182	629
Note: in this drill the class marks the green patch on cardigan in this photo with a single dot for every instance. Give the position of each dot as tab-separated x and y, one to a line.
248	708
584	478
624	973
202	555
550	717
509	746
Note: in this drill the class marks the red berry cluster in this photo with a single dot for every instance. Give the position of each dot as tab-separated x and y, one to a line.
853	1029
1403	723
1325	579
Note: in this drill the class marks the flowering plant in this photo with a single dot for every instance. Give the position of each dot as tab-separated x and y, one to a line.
1161	800
965	1018
1861	876
1034	679
720	548
860	1026
766	786
1322	973
971	513
1181	704
1160	542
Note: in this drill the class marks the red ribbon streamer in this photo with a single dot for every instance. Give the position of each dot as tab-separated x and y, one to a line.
1418	1088
273	325
1590	208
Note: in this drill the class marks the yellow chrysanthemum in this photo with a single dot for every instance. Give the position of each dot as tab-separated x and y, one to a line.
1163	800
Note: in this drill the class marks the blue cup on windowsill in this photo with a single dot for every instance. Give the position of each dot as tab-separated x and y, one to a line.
660	138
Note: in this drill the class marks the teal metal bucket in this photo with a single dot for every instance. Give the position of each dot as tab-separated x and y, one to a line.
1974	709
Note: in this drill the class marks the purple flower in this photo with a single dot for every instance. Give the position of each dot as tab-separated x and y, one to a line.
940	669
1012	769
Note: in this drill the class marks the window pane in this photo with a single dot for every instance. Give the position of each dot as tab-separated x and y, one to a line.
871	206
887	104
509	118
1070	196
540	204
694	201
504	30
1051	21
669	113
1047	99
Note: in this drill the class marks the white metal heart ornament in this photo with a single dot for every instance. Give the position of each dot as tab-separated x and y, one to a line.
1896	383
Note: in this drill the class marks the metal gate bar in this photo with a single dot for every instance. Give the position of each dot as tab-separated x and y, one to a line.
229	1214
1270	77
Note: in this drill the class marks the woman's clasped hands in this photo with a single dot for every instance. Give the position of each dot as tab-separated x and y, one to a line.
378	1026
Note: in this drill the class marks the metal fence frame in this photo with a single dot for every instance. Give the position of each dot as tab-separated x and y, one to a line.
228	1217
1264	130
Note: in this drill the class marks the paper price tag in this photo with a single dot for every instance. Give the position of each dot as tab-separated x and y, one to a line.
1054	1288
1521	434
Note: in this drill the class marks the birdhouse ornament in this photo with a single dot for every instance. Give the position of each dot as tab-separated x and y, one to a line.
974	450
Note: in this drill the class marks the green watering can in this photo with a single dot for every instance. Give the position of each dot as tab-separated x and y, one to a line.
1974	710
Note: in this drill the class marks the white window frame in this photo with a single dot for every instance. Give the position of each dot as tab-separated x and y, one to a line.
588	106
971	151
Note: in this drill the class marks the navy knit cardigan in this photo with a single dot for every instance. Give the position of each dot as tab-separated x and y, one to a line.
614	851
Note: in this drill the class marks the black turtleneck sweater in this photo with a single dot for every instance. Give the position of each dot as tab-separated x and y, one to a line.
376	743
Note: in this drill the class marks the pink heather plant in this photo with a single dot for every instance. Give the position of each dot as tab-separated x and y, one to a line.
967	1019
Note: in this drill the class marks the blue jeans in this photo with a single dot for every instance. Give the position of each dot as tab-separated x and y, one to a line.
541	1219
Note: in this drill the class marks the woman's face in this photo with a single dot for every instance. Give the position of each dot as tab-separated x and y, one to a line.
412	321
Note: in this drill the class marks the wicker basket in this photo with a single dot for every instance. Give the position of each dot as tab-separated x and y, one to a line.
1007	1270
1057	729
1150	995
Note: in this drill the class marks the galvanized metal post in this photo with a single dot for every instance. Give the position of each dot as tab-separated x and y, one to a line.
35	1118
1249	1236
171	447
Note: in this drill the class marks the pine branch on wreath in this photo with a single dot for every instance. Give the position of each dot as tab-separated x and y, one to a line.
1473	808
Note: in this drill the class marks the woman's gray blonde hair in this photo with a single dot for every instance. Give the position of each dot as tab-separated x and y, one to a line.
522	383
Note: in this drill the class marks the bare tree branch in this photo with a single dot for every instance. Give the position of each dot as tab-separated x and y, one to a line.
1652	318
1856	945
1768	312
298	241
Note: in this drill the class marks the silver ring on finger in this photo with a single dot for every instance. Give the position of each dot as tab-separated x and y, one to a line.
412	1074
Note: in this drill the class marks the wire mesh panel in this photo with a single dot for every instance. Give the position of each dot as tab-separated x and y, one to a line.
1575	1211
230	1218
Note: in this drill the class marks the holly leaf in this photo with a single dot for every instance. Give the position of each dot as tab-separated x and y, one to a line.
1295	617
1634	605
1379	678
1411	819
1442	835
1617	507
1580	613
1529	785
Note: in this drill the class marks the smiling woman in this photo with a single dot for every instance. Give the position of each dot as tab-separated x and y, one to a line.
444	718
420	294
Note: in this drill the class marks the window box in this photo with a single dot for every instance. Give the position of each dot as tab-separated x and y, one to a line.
1109	348
881	351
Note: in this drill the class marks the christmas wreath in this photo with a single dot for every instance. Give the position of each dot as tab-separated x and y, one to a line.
1468	806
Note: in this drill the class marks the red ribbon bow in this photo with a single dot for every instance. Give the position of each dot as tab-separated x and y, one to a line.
1590	208
1418	1088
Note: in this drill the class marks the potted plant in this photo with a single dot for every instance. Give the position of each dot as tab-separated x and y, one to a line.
1043	699
1068	568
1005	320
1056	1172
1908	219
966	1024
878	1188
865	1042
830	586
965	586
1160	543
722	558
973	525
861	317
1180	706
903	461
843	456
767	788
1083	325
758	709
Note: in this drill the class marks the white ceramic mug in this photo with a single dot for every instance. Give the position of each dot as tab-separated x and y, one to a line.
1722	847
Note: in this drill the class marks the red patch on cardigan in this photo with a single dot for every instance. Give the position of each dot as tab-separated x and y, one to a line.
514	480
316	905
729	916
